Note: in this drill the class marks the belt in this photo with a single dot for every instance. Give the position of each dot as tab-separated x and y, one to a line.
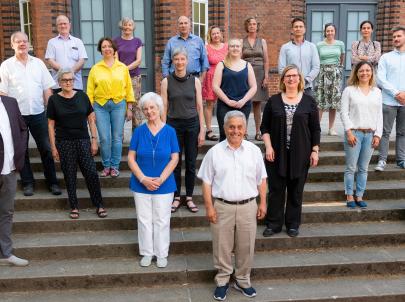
364	130
236	202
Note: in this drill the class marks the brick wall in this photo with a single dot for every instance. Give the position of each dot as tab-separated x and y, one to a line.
10	22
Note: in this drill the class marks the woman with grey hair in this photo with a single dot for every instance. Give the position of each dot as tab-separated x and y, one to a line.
153	155
181	93
69	112
129	51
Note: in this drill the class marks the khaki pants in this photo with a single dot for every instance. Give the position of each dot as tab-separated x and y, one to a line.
235	230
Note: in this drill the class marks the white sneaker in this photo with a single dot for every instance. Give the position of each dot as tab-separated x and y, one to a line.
146	261
380	166
13	260
161	262
332	132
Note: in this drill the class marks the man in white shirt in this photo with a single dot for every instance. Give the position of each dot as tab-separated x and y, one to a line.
66	51
27	79
13	143
233	175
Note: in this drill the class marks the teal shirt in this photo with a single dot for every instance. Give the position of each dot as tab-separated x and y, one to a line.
330	53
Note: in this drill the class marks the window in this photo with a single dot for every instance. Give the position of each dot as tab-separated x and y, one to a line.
25	19
200	18
319	19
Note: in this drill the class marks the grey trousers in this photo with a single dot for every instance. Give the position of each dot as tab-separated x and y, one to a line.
390	114
8	186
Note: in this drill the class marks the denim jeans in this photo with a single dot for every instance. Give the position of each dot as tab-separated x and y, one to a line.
358	157
38	127
110	120
390	114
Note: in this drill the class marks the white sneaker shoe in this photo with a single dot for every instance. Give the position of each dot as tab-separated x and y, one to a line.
146	261
161	262
332	132
380	166
13	260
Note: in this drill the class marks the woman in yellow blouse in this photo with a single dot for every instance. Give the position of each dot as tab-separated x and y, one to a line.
110	91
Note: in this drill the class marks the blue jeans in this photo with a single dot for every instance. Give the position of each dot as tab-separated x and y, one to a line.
110	120
357	156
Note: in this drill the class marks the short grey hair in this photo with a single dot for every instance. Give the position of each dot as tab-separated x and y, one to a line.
62	72
232	114
62	17
126	20
14	34
152	97
179	51
398	28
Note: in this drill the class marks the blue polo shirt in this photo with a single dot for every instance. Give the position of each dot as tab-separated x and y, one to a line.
165	143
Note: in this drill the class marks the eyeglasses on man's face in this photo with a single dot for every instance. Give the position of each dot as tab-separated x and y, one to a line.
66	81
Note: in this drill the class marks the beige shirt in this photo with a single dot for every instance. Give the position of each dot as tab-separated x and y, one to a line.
234	174
5	131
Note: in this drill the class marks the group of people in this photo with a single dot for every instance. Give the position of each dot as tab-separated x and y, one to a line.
235	75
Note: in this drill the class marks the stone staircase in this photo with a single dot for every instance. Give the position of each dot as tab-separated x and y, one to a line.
340	255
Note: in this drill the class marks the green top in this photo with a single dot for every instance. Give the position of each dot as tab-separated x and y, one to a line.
330	53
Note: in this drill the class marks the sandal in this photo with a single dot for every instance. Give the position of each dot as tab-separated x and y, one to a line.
74	214
258	137
209	136
191	206
174	207
101	213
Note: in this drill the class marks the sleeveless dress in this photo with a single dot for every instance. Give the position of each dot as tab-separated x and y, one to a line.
214	57
255	56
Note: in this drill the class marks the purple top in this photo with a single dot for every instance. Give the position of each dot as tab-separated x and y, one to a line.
127	52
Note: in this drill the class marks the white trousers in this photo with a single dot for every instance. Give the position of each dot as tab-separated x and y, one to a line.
153	213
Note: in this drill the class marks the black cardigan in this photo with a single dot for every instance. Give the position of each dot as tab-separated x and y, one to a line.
305	133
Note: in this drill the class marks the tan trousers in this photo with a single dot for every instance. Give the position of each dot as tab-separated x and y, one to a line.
235	230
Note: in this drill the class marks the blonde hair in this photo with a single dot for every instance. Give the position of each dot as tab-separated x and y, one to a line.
354	79
208	38
227	60
301	84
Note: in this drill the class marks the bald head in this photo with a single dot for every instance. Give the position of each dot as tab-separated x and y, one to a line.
184	26
63	25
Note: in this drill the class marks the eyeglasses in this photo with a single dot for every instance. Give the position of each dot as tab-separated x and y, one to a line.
234	46
66	80
292	76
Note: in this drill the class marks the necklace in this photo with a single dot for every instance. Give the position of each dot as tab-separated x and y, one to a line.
154	147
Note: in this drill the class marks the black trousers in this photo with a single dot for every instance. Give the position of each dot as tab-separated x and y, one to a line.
223	109
78	152
187	131
278	211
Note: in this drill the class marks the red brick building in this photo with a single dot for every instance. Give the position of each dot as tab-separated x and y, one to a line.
156	22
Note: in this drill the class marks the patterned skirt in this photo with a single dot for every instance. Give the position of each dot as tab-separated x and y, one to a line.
137	116
328	90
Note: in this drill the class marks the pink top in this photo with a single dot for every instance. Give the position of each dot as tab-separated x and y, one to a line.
214	57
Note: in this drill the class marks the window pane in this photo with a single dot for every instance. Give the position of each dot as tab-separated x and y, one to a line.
98	31
202	32
195	30
352	21
97	55
348	64
327	18
97	8
126	8
140	30
202	13
363	16
138	12
85	9
90	60
86	32
316	21
196	12
316	37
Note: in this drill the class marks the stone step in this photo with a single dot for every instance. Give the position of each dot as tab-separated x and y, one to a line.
30	222
192	268
374	288
124	243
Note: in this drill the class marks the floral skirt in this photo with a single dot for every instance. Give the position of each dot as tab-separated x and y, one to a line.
137	116
328	90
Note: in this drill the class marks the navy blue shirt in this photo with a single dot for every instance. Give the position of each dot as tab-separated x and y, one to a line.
165	143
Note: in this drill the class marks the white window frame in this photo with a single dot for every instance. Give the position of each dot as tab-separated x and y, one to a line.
198	21
29	24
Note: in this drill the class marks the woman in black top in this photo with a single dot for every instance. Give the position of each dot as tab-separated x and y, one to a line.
291	133
181	94
69	112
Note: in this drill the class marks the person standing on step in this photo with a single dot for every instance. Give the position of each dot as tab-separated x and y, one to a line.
291	134
328	90
13	144
66	51
390	78
230	190
153	155
366	49
27	79
69	114
181	94
234	83
362	120
254	51
301	53
216	51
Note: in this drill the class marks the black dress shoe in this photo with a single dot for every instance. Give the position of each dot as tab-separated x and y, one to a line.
28	190
55	189
292	232
269	232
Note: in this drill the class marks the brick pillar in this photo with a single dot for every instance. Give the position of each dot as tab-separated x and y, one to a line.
10	22
218	15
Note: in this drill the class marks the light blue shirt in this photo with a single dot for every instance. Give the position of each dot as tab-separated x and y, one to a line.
197	54
391	76
304	55
66	52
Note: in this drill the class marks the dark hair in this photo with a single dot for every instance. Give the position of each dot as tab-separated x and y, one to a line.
297	19
354	79
365	22
326	26
247	21
398	28
106	39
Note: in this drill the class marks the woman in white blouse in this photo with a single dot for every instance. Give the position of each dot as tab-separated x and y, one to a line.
361	114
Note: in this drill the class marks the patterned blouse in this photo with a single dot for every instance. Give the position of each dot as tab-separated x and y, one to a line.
289	114
371	49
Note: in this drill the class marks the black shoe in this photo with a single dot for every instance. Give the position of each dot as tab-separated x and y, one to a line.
292	232
28	190
55	189
269	232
